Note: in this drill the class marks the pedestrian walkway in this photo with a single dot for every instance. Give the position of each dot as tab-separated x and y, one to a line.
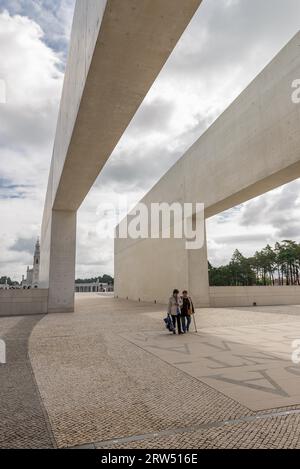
23	419
111	376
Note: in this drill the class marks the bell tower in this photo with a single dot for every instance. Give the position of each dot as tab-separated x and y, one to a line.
36	265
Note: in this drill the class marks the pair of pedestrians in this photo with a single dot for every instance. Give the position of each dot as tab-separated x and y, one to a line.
181	309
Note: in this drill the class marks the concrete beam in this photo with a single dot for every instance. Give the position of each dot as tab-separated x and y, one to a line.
113	62
253	147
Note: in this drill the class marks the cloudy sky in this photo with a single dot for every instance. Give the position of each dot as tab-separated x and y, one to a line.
226	45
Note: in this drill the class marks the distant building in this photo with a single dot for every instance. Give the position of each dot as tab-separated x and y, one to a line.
32	275
95	287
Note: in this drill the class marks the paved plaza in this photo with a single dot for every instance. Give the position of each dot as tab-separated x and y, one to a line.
111	376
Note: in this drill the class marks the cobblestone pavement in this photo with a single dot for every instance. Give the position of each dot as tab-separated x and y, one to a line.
23	421
98	386
101	390
278	432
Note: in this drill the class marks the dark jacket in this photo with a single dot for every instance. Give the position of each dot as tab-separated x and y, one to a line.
187	305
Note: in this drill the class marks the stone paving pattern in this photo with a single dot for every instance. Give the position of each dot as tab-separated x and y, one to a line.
23	421
275	433
250	364
94	385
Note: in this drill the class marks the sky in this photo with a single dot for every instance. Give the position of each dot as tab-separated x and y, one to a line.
225	46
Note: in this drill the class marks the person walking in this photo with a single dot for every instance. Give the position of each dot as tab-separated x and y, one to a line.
174	310
187	310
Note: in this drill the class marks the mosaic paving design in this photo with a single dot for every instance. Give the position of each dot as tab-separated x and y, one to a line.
251	364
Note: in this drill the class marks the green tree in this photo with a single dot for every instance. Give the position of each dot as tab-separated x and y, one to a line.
6	280
266	267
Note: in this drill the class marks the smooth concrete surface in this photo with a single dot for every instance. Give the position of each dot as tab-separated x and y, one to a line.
253	147
62	262
118	48
246	296
159	268
23	302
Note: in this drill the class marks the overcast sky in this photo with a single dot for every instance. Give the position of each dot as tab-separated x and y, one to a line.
226	45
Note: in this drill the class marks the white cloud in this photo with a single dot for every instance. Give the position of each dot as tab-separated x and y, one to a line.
264	220
27	127
53	16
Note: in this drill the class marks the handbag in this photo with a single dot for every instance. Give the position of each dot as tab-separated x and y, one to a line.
169	323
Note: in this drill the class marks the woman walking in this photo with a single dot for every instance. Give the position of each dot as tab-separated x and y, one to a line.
174	309
187	310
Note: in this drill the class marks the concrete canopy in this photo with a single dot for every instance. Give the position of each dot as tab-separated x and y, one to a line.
253	147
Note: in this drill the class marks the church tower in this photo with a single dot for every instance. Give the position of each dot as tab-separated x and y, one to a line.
36	265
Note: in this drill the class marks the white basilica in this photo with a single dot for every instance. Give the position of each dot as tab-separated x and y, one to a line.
32	275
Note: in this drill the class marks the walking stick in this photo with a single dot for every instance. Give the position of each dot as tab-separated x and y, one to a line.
195	322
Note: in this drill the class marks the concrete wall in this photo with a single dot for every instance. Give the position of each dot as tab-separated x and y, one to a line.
23	302
253	147
156	267
118	47
222	297
62	265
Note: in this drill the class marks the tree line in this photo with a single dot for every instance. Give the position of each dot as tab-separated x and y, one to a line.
270	266
7	281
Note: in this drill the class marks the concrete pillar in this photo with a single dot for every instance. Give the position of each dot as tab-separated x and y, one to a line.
62	262
198	276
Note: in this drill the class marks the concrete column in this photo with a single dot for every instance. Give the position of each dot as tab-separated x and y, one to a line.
62	262
198	276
